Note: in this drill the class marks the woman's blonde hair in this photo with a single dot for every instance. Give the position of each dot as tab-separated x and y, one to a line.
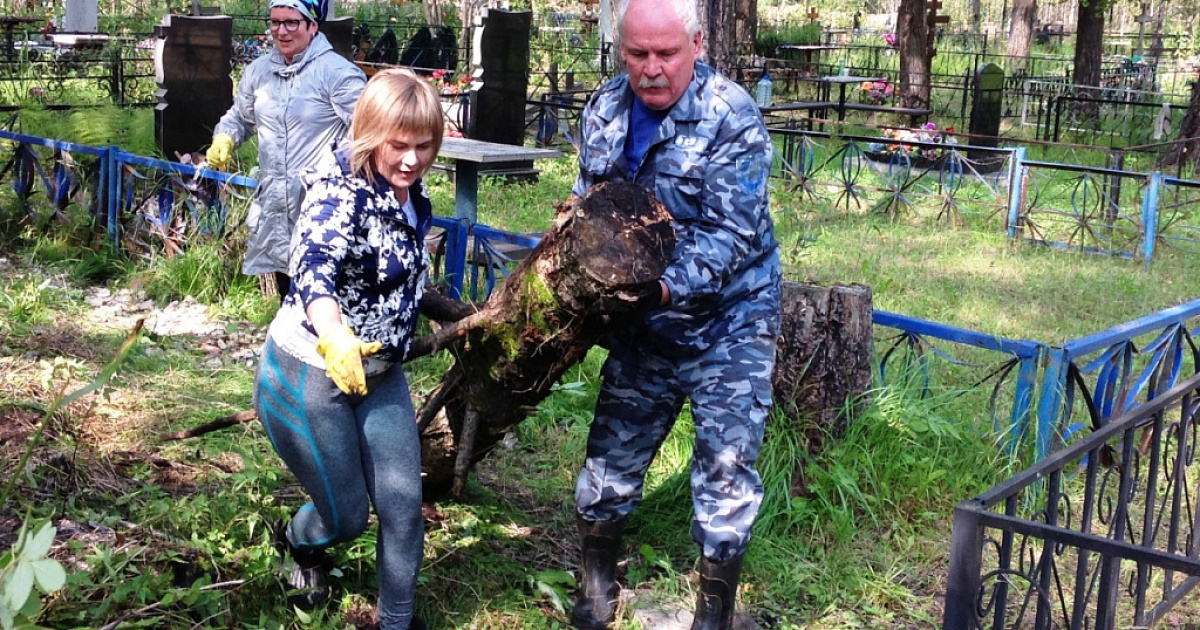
394	100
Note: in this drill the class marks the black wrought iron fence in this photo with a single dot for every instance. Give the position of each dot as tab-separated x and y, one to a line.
1100	535
123	71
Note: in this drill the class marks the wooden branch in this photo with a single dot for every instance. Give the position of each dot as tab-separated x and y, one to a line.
433	404
442	339
240	417
466	450
442	308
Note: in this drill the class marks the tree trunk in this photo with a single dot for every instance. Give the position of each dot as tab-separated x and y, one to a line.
1024	14
823	361
466	17
1187	147
745	30
1089	41
555	305
915	62
719	24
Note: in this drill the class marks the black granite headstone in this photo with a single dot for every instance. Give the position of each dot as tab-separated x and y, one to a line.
987	100
340	33
502	77
192	64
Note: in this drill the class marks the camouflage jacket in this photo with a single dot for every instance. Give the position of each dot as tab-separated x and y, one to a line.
708	164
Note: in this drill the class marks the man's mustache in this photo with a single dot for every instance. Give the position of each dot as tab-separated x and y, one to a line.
660	82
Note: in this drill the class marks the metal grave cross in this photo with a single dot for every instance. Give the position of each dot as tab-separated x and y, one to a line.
812	14
932	19
1142	20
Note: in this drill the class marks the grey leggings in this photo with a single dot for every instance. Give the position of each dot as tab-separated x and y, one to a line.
346	450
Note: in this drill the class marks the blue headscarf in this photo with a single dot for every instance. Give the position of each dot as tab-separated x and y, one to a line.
313	10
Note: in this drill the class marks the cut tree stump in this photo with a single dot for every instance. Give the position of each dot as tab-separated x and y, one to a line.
555	305
823	360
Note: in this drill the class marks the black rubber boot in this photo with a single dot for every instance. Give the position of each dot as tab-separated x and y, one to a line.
600	543
303	570
718	592
417	624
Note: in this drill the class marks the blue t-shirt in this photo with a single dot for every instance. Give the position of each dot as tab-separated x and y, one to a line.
643	124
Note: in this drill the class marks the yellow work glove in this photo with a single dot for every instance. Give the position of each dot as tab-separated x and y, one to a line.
343	354
220	152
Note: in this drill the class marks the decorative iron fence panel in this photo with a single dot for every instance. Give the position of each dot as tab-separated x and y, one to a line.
1098	536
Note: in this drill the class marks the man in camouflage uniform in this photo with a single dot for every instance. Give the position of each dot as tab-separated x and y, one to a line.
695	138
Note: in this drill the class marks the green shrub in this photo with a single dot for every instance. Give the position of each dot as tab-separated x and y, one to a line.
768	40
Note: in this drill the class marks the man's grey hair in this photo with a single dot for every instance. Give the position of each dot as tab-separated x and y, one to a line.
686	10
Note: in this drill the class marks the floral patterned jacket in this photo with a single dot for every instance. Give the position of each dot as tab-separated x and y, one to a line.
355	242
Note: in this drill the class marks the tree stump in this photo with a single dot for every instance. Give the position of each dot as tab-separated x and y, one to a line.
555	305
823	360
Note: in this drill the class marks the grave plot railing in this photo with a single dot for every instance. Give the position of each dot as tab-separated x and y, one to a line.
66	173
1108	373
1101	535
140	202
161	205
1121	123
1006	369
555	119
125	74
566	53
1092	209
896	176
1123	114
471	259
1178	208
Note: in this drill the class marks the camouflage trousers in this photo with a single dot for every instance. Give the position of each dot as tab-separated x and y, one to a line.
643	393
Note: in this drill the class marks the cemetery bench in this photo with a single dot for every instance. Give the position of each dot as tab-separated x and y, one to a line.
842	80
816	110
475	256
804	54
911	112
468	155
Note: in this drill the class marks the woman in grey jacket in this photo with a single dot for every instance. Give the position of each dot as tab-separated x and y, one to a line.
299	100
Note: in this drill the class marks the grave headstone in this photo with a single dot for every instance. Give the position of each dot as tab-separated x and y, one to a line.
987	99
81	17
500	55
340	33
192	60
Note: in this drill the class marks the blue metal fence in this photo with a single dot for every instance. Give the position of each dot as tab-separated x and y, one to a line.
1108	372
1084	208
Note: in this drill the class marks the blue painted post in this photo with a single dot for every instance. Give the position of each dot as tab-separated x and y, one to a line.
1053	388
1016	189
456	257
112	168
1150	217
1023	399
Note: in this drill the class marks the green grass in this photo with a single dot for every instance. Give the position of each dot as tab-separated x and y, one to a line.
865	545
